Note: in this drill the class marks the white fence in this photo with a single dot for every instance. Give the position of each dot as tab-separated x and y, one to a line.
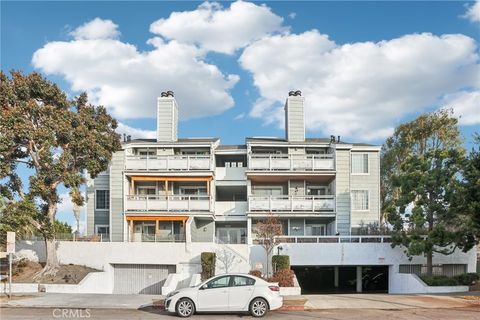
168	203
291	203
181	162
291	162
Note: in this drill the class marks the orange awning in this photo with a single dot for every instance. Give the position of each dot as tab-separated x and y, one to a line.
157	218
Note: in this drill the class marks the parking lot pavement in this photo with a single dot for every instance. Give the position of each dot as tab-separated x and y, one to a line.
469	313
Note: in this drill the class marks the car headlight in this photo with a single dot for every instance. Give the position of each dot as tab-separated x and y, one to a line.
171	294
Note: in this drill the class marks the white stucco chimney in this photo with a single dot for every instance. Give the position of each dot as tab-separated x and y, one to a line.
167	117
295	117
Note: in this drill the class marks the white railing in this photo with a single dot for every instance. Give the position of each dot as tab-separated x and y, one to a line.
332	239
168	203
180	162
291	203
311	162
162	238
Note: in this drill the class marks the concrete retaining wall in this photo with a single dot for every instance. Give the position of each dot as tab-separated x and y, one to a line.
410	283
94	282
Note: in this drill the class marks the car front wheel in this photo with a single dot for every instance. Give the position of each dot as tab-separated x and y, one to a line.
258	307
185	308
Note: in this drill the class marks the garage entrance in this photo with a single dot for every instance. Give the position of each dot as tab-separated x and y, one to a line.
140	278
341	279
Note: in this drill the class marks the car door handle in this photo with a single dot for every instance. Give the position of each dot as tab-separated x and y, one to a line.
224	291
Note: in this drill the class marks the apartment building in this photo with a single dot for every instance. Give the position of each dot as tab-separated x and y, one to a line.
163	201
153	187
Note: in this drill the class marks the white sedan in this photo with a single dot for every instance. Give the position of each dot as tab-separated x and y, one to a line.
227	293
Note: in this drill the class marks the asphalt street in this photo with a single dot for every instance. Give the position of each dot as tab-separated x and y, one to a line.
468	313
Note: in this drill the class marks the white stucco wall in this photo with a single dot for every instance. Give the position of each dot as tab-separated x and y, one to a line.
336	254
100	255
410	283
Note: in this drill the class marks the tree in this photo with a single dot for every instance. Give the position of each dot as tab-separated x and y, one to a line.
267	232
466	200
56	137
423	159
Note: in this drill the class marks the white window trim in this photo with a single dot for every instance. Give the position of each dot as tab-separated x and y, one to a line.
351	164
108	200
102	226
368	202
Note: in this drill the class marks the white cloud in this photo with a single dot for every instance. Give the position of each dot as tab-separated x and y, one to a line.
127	81
473	12
466	106
219	29
96	29
363	89
292	15
135	132
239	116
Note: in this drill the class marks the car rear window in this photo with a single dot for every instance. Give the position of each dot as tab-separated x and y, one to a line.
239	281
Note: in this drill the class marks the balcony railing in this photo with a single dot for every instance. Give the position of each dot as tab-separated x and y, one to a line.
292	203
293	162
163	238
181	162
330	239
168	203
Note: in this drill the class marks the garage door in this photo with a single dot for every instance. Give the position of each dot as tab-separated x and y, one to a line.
140	278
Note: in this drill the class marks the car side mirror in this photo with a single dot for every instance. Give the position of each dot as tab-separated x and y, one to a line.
205	286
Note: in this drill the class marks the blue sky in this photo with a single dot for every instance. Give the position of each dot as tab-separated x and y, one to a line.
364	67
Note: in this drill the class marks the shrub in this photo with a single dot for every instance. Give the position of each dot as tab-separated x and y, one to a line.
467	279
208	264
256	273
281	262
284	277
439	281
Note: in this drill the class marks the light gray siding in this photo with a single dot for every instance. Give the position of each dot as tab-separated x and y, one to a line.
202	230
295	119
371	183
342	187
116	195
95	217
167	119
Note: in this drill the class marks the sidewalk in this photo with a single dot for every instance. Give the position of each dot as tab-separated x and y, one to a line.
82	300
291	303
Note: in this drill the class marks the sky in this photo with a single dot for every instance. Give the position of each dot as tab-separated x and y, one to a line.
363	67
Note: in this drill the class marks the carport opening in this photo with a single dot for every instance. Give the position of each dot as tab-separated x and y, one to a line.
322	279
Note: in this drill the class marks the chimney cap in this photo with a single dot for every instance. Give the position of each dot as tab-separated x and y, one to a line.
166	94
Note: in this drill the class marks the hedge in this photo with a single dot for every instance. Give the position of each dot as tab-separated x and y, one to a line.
465	279
284	277
281	262
208	264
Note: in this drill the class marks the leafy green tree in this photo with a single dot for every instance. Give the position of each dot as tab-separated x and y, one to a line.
56	137
423	159
466	200
61	227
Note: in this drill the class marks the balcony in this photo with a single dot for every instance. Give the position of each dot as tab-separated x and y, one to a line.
167	163
168	203
291	203
231	208
292	162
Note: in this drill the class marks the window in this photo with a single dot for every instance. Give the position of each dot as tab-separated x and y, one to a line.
102	229
239	281
221	282
360	200
102	200
267	190
360	163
